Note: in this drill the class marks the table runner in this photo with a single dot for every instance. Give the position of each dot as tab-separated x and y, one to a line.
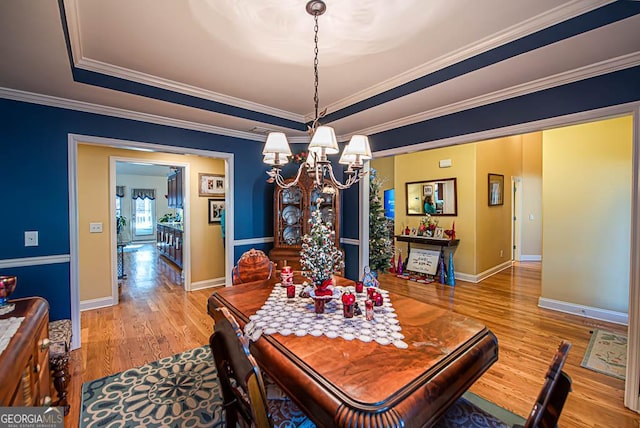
296	316
8	328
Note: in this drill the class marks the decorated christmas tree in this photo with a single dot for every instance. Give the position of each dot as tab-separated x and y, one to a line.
380	243
319	257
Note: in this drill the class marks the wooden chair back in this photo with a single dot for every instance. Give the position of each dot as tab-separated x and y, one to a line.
557	385
243	390
253	265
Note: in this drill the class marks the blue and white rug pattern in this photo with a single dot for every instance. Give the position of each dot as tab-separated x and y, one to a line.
177	391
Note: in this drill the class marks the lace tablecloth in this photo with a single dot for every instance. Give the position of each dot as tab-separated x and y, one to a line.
297	316
8	328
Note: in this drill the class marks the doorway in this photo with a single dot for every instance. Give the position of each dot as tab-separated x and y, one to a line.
108	239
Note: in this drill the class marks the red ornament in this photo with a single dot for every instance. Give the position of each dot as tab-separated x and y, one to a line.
348	298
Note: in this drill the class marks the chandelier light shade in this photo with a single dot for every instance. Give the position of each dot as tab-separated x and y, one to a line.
323	140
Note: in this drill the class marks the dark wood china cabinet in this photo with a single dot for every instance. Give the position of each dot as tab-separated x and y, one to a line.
292	210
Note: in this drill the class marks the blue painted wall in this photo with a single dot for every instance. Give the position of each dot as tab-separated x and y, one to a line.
34	156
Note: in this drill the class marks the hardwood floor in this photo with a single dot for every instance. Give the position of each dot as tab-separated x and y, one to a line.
156	318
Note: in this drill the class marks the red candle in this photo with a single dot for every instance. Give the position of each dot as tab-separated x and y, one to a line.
359	286
291	291
377	297
348	299
368	309
370	292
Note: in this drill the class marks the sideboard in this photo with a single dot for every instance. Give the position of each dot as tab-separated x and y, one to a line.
24	377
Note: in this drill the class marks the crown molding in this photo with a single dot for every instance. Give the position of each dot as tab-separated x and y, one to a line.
593	70
31	97
181	88
522	128
80	61
515	32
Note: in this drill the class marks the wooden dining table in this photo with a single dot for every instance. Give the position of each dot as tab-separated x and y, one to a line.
350	383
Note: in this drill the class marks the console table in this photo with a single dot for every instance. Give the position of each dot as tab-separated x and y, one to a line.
442	243
427	240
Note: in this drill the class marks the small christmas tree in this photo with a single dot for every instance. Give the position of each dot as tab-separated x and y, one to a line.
319	257
380	243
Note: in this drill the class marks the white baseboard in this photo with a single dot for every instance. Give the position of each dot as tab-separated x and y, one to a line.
102	302
584	311
530	257
483	275
209	283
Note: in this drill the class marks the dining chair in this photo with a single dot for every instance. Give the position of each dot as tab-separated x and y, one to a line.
253	265
245	398
544	414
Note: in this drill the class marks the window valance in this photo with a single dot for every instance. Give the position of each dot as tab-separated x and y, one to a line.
143	194
120	191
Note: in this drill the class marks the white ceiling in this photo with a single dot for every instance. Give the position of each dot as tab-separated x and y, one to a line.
258	55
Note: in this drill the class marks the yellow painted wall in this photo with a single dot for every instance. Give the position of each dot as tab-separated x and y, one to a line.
586	203
207	252
493	234
385	168
531	188
425	166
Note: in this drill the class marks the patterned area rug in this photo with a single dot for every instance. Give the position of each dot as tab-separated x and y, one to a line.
607	353
177	391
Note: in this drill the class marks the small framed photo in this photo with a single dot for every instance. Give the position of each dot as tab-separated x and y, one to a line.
414	231
439	232
210	184
496	189
427	190
216	207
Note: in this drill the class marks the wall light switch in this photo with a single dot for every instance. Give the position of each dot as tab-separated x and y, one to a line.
445	163
95	227
530	216
31	238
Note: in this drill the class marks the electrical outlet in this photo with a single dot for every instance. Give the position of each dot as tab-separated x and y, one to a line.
31	238
95	227
501	253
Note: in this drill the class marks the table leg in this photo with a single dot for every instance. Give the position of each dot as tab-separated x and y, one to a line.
60	367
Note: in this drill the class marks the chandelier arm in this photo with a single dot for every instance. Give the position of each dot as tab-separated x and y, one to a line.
336	183
280	180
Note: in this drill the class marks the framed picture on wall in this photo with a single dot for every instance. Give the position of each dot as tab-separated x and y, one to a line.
210	184
496	189
216	207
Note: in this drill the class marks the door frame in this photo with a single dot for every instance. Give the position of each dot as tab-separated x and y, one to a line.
516	218
73	140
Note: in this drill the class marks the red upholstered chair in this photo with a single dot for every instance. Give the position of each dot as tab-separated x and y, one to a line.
544	414
253	265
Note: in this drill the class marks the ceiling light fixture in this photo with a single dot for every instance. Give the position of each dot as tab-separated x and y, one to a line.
323	140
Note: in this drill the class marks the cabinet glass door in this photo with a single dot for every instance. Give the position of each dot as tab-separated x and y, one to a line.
291	216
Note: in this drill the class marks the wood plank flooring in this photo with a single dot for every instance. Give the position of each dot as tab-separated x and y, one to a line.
156	318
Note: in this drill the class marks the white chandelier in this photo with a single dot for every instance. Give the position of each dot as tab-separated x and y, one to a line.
323	140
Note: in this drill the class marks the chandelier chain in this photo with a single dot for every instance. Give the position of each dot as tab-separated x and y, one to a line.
316	100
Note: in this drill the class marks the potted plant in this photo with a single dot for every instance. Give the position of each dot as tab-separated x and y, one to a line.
121	221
